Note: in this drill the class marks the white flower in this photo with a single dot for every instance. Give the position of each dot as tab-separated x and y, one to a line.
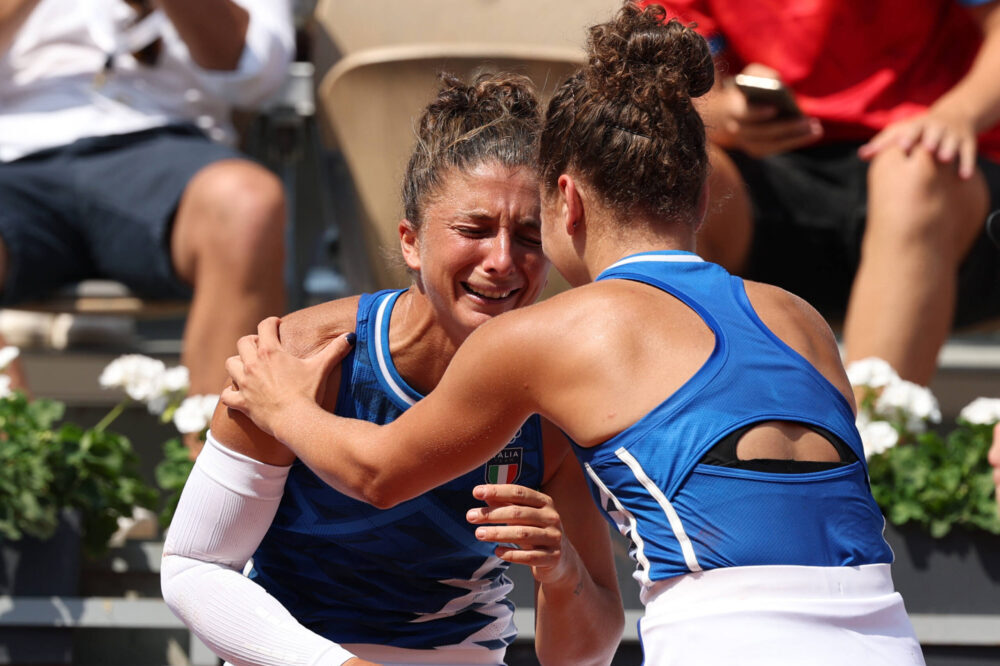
195	413
171	388
877	437
5	386
872	372
984	411
140	376
7	356
175	380
914	404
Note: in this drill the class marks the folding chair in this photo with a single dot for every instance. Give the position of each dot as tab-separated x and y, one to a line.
371	100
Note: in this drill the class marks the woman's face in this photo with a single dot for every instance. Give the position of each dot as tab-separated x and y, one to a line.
479	250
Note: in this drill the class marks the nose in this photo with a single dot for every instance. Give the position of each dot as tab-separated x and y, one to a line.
499	260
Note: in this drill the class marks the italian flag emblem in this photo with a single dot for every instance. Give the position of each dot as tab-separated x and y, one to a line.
505	467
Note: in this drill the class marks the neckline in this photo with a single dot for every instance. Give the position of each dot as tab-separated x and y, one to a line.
657	256
398	389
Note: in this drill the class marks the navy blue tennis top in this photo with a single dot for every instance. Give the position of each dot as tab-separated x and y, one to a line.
413	576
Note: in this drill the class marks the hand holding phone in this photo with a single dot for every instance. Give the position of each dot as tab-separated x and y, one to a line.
766	91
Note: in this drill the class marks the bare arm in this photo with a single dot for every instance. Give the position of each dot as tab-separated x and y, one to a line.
582	600
13	14
483	398
560	534
950	127
222	505
213	30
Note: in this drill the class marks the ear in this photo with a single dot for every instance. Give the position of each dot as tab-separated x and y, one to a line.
409	242
572	204
702	209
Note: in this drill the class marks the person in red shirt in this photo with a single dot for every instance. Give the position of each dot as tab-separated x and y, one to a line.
871	203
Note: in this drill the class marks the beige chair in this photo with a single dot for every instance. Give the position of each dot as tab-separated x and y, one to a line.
370	101
345	28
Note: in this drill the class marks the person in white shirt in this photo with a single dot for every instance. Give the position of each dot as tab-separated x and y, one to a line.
115	158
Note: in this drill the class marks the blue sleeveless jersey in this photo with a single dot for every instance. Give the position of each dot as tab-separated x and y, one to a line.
413	576
683	516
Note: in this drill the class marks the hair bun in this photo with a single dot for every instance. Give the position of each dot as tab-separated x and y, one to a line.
488	96
639	56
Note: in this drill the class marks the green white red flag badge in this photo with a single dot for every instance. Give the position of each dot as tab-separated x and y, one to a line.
505	467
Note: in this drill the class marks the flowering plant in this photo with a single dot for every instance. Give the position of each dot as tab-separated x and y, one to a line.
164	391
50	466
938	481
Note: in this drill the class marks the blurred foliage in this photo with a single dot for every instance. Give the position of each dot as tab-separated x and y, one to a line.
171	474
939	483
47	466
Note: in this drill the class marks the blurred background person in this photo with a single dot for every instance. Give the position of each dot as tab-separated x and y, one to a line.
115	158
870	203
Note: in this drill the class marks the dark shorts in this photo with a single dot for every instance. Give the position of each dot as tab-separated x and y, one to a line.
809	211
100	208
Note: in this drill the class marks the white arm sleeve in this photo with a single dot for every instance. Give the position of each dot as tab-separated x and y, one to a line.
224	512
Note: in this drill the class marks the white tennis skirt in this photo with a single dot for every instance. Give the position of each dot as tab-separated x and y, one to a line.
452	655
769	615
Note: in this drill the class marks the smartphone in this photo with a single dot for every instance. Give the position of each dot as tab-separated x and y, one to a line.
765	91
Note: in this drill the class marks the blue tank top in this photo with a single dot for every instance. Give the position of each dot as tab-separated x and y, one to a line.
413	576
683	516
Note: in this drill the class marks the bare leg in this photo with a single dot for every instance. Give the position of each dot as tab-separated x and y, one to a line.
922	220
228	241
725	236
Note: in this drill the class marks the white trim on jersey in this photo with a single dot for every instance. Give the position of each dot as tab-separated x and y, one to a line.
668	509
662	258
383	366
627	525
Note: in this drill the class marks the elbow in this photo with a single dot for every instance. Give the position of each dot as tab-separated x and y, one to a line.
371	488
378	495
172	570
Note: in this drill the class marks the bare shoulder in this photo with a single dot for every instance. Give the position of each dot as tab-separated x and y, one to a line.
306	331
555	322
542	346
783	311
801	327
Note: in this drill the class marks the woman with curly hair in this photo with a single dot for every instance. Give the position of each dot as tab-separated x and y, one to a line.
712	415
422	582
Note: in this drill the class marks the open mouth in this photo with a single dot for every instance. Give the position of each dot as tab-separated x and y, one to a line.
491	294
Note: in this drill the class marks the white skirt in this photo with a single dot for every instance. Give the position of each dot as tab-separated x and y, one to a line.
769	615
452	655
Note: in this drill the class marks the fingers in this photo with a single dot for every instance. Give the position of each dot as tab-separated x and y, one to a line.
948	139
267	331
247	346
336	351
524	544
777	136
236	370
510	493
514	514
967	159
233	399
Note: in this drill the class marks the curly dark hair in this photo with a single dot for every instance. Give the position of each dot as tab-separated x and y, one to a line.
626	122
494	118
